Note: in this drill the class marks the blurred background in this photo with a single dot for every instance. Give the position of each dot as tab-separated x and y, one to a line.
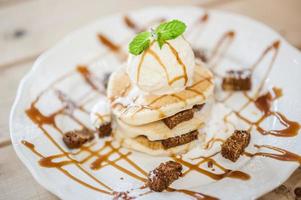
29	27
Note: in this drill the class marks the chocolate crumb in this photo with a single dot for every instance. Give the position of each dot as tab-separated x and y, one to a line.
160	178
122	196
179	140
237	80
210	164
235	145
76	138
105	130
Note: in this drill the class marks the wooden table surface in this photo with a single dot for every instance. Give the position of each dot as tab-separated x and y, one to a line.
29	27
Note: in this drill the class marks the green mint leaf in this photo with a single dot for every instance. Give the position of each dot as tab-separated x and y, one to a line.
170	30
160	40
140	43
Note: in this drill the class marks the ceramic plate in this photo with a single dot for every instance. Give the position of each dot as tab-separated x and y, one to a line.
66	81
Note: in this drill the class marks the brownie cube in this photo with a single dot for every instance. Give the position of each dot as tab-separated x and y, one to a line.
179	140
237	80
174	120
160	178
235	145
105	130
75	139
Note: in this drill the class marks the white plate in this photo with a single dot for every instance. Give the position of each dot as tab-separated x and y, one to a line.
82	47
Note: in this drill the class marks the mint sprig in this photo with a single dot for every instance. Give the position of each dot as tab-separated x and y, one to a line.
140	43
165	31
169	30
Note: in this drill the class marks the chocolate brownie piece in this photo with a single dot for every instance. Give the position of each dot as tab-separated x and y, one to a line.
198	107
174	120
160	178
105	130
235	145
76	138
182	116
179	140
239	80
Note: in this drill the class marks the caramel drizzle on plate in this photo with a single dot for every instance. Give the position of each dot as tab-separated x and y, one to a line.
283	155
265	101
102	159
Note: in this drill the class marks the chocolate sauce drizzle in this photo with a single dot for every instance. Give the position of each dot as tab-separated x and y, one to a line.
101	159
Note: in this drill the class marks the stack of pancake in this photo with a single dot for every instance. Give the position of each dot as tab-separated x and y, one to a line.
160	124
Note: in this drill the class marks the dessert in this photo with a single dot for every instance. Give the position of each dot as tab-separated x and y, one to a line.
76	138
235	145
160	98
237	80
160	101
160	178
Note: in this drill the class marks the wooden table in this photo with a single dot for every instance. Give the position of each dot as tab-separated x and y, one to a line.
29	27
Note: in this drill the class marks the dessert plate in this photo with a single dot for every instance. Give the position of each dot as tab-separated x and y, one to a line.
66	81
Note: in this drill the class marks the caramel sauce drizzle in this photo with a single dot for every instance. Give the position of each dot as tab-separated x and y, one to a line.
101	117
196	195
108	43
179	60
102	159
283	156
151	104
200	23
141	62
264	103
151	52
31	147
227	172
204	18
131	24
158	59
135	27
220	48
87	75
212	141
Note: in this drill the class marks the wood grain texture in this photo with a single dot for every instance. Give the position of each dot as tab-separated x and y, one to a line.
28	27
9	82
16	181
282	16
37	25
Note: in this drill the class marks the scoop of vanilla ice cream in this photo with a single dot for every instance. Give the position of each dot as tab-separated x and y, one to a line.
101	113
163	71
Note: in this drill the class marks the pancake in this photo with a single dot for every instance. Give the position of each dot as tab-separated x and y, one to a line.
155	148
134	107
159	131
